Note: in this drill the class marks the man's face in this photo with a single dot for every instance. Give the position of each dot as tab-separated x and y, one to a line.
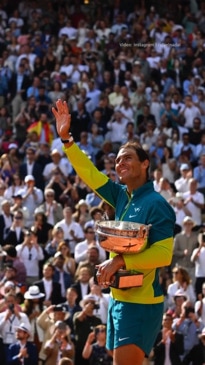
128	166
6	208
71	296
10	274
47	272
67	213
30	155
59	316
84	276
21	335
59	262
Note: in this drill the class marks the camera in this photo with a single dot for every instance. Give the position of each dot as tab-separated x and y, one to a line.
96	306
11	307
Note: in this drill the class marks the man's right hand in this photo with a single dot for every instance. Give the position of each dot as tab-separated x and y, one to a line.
63	119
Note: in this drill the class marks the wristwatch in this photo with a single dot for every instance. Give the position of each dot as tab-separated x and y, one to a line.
69	140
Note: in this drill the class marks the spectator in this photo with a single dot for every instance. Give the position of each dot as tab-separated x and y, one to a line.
95	349
188	325
44	128
81	249
182	184
31	167
194	201
32	198
58	161
15	234
102	300
9	319
11	256
181	211
198	257
81	214
196	354
18	206
84	323
33	306
71	307
200	305
24	350
57	182
199	173
14	187
184	244
60	275
72	230
81	284
57	236
6	219
41	227
169	344
181	286
49	287
92	259
53	210
46	321
30	252
18	84
69	263
59	345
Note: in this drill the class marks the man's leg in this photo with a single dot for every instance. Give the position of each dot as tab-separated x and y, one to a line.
128	354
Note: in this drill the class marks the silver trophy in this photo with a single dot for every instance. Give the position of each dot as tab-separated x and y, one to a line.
123	237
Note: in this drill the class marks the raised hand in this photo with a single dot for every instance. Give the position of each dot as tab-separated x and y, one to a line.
63	119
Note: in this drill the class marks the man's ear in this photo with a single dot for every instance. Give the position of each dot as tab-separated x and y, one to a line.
146	164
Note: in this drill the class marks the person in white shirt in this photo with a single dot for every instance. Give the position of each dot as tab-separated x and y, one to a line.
198	257
72	230
30	253
117	127
81	249
32	198
182	184
5	218
10	318
52	209
115	98
68	30
194	201
127	110
102	299
157	175
199	306
57	161
189	111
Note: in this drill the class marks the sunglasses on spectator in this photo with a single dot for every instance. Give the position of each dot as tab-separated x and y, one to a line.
18	217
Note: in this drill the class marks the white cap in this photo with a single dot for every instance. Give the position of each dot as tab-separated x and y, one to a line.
29	178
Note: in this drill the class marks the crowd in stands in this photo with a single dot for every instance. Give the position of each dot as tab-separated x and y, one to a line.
129	70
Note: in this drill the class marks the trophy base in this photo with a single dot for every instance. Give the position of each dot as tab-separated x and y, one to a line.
125	279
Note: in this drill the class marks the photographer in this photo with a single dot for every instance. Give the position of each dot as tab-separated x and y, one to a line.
84	323
96	352
198	257
189	326
10	318
59	345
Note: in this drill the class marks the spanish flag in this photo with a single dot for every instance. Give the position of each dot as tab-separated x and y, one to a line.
38	127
